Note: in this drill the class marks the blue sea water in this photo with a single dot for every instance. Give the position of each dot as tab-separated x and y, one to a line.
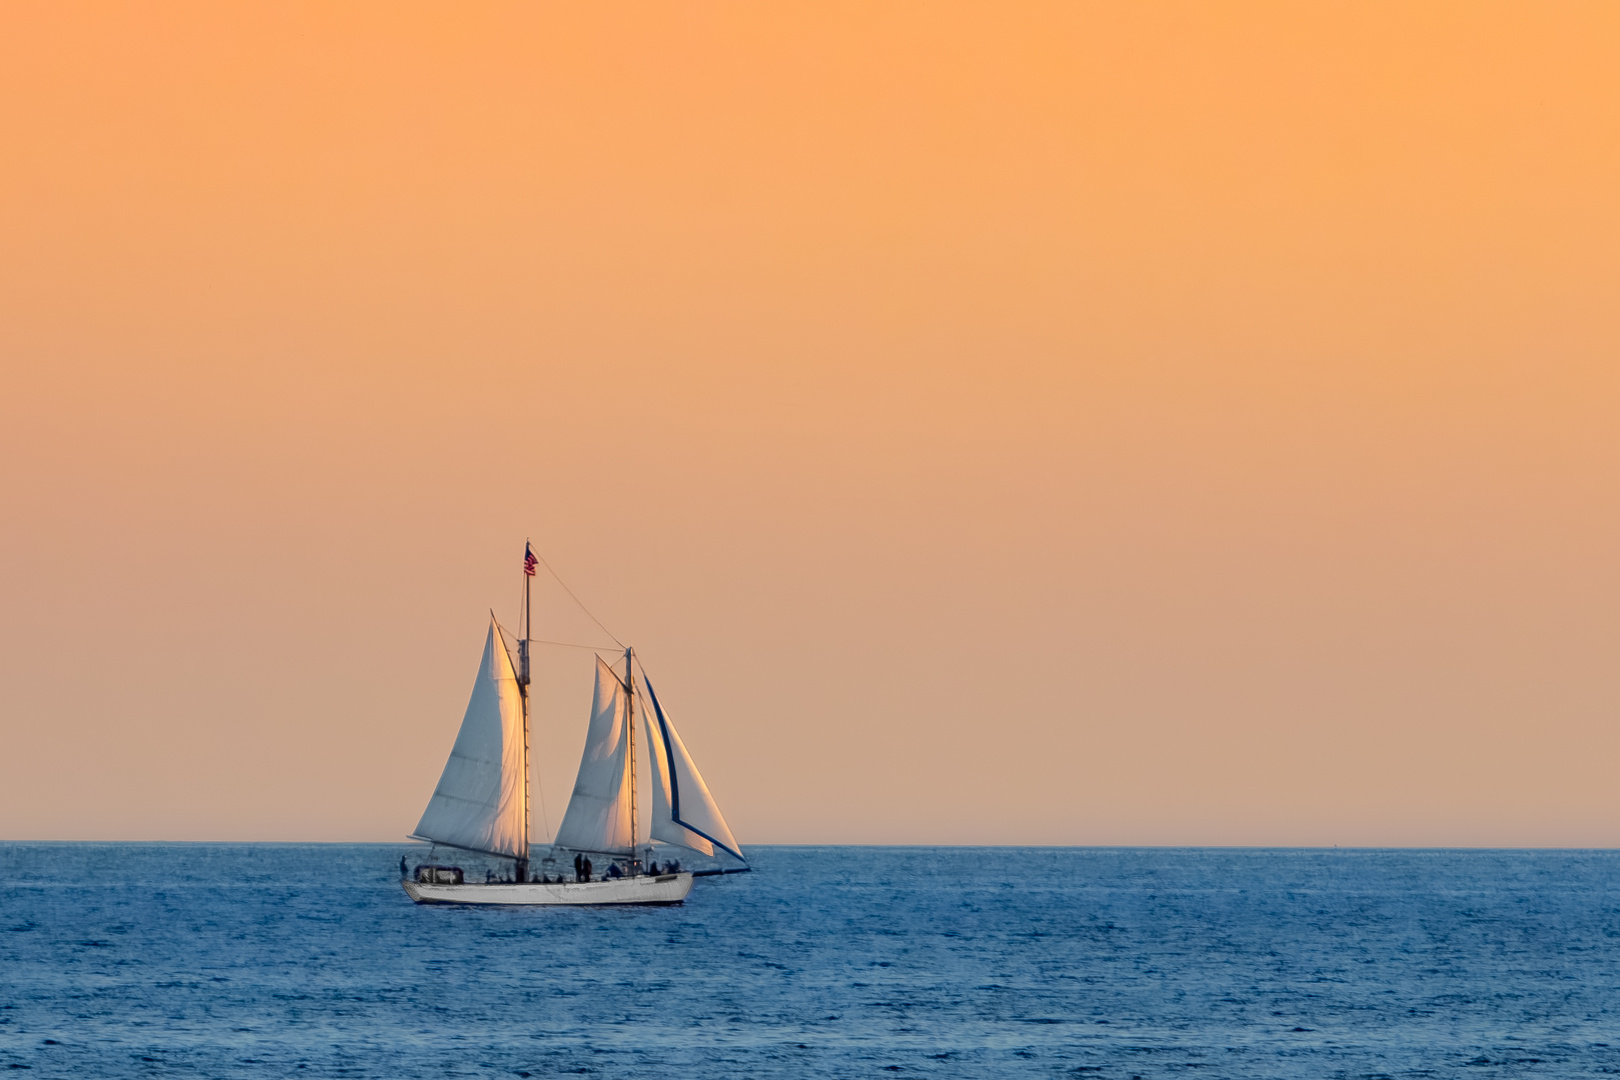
308	961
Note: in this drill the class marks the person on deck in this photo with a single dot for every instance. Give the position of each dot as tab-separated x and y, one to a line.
586	866
579	868
403	872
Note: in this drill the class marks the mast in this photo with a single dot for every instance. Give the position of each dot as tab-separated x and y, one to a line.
523	691
630	723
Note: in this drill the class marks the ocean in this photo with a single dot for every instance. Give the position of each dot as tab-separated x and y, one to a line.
272	960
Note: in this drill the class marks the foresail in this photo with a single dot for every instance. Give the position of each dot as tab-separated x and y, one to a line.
479	802
684	812
598	815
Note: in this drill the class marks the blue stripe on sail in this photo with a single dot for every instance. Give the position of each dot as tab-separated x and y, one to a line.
674	784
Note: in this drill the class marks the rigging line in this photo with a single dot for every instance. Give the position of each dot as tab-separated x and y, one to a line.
568	644
540	789
534	764
642	666
574	598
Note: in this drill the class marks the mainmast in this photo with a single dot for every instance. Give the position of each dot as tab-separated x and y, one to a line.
630	721
523	691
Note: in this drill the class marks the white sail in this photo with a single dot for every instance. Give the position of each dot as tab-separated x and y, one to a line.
683	811
479	803
598	815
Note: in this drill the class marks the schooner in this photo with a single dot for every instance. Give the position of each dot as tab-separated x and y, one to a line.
481	803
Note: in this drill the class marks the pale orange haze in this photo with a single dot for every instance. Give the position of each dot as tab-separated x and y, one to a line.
1015	423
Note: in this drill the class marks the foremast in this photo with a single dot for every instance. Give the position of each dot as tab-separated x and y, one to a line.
529	560
630	732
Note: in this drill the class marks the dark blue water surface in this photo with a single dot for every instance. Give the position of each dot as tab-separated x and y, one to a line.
291	960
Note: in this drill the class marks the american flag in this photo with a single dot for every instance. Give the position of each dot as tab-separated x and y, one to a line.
529	561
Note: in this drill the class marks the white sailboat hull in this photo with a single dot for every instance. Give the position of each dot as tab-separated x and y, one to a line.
660	889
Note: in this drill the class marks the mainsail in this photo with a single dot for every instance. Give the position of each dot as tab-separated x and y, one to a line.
684	812
479	803
598	816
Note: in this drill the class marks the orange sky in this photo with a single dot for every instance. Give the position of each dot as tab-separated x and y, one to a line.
1071	423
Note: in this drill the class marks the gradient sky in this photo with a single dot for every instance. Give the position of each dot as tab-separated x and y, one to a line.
1044	423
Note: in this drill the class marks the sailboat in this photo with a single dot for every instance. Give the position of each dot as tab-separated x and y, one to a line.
481	804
